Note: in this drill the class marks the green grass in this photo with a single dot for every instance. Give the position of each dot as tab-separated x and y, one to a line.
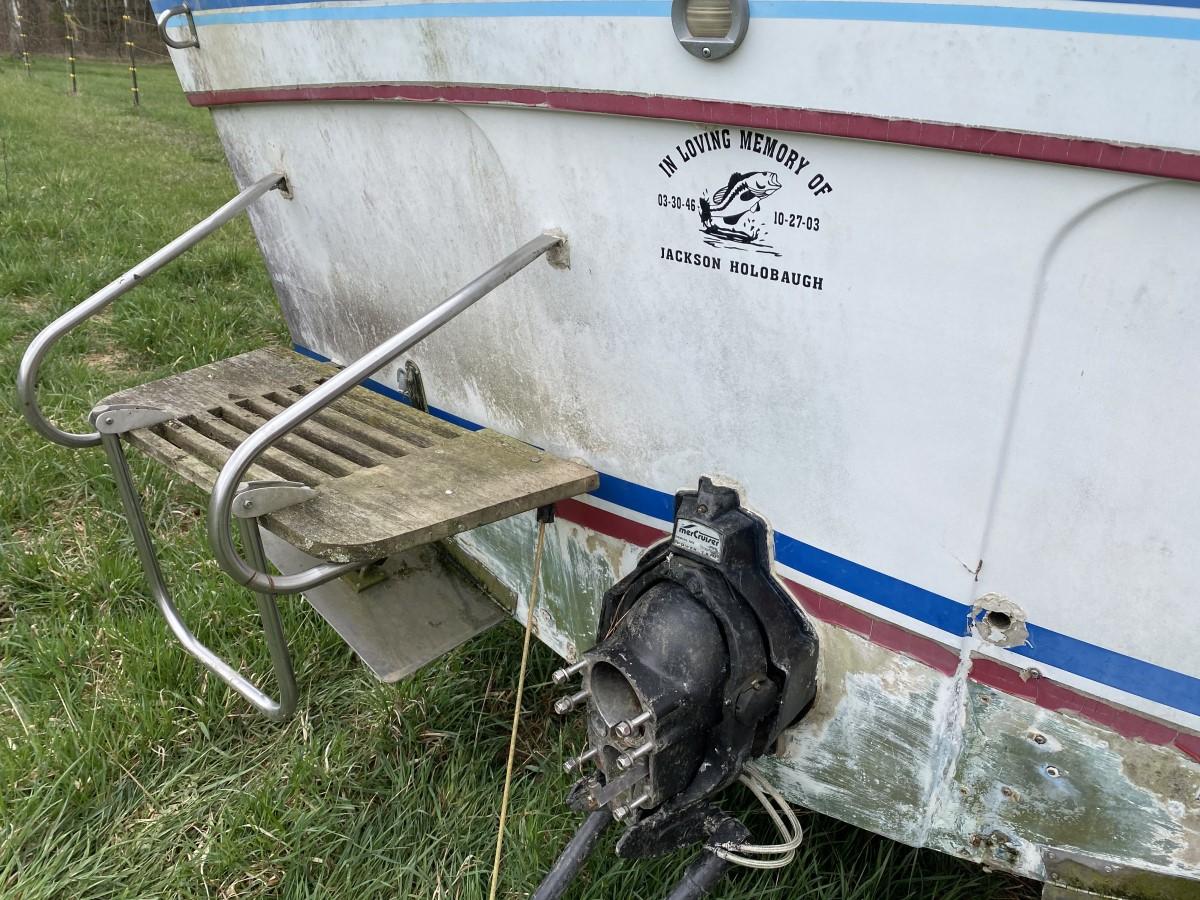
126	771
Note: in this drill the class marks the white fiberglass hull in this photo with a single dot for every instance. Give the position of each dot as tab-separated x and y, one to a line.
947	379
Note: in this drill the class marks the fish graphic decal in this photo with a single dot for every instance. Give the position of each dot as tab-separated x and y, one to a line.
721	214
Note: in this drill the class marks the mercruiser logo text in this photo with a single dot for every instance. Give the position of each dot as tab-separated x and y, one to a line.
698	539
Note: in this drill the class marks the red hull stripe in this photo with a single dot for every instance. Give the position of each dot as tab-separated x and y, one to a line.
985	141
1041	691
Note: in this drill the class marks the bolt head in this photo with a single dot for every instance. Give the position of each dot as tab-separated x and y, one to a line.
108	420
707	53
570	766
620	813
563	705
624	762
623	729
560	677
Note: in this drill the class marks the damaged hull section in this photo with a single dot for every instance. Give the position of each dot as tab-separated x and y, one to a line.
926	757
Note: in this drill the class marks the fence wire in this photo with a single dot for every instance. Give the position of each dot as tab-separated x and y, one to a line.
96	26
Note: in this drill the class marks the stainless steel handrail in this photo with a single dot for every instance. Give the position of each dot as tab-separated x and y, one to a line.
27	374
234	471
281	660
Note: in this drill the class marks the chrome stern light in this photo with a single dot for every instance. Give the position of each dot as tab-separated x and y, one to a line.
710	29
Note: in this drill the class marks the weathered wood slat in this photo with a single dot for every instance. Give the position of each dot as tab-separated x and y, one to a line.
317	432
428	495
215	384
396	409
273	458
178	460
387	477
344	424
295	443
204	449
390	421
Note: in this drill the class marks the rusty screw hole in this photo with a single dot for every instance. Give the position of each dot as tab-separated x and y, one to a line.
1039	739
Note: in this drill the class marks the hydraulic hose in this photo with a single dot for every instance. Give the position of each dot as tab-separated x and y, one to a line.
559	878
704	872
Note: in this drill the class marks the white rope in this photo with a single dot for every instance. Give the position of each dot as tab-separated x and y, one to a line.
773	856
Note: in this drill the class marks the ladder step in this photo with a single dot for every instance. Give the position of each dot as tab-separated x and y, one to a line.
387	478
442	608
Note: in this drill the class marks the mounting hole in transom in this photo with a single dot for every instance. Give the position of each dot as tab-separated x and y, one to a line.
998	620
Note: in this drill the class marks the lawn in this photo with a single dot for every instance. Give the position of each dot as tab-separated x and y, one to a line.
126	771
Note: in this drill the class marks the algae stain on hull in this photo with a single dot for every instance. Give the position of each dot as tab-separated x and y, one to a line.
578	566
866	752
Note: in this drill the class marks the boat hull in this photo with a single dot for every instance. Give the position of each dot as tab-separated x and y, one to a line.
952	372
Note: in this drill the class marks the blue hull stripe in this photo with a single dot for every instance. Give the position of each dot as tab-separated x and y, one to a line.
1125	673
1077	21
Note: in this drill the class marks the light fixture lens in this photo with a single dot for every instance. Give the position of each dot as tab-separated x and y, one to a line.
709	18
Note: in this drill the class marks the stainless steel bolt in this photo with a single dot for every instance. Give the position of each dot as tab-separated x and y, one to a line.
628	726
562	676
577	762
627	759
640	801
564	705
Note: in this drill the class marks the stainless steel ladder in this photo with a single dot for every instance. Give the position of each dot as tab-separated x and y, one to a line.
518	487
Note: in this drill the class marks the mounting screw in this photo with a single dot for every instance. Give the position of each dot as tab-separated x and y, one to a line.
247	504
562	676
626	760
707	52
564	705
577	762
628	726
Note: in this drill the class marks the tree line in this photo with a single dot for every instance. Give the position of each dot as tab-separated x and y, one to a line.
94	27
